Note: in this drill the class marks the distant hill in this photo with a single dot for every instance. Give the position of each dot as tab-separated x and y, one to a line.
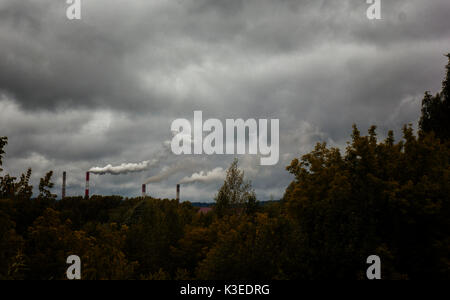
202	204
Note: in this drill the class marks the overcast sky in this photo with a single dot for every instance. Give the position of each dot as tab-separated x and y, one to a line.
105	90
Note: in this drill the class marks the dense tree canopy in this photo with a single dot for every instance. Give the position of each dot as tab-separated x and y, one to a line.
379	197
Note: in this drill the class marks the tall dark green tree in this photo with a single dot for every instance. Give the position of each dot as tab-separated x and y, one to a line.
23	188
236	193
45	186
436	110
3	143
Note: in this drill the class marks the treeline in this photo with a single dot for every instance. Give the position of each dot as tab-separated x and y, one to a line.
388	198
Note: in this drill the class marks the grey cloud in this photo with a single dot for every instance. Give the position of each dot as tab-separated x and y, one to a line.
104	90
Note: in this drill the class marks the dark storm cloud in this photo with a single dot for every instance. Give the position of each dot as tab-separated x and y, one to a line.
104	90
47	62
119	54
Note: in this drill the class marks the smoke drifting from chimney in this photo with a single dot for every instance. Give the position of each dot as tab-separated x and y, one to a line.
186	164
124	168
217	174
135	167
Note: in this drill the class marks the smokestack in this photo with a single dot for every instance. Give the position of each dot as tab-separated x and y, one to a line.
178	192
144	190
87	185
63	194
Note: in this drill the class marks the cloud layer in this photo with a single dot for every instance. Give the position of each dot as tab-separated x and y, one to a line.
105	89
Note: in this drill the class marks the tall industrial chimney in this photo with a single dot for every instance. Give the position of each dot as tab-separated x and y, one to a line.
63	194
178	192
87	185
144	190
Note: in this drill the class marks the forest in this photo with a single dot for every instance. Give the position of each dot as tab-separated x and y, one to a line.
385	197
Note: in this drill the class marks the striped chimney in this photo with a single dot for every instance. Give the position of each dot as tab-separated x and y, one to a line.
144	190
63	194
178	192
87	185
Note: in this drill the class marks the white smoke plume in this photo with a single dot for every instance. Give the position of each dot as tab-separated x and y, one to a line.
183	165
124	168
135	167
217	174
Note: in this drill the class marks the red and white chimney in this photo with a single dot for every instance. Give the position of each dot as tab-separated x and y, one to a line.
144	190
63	194
87	185
178	192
